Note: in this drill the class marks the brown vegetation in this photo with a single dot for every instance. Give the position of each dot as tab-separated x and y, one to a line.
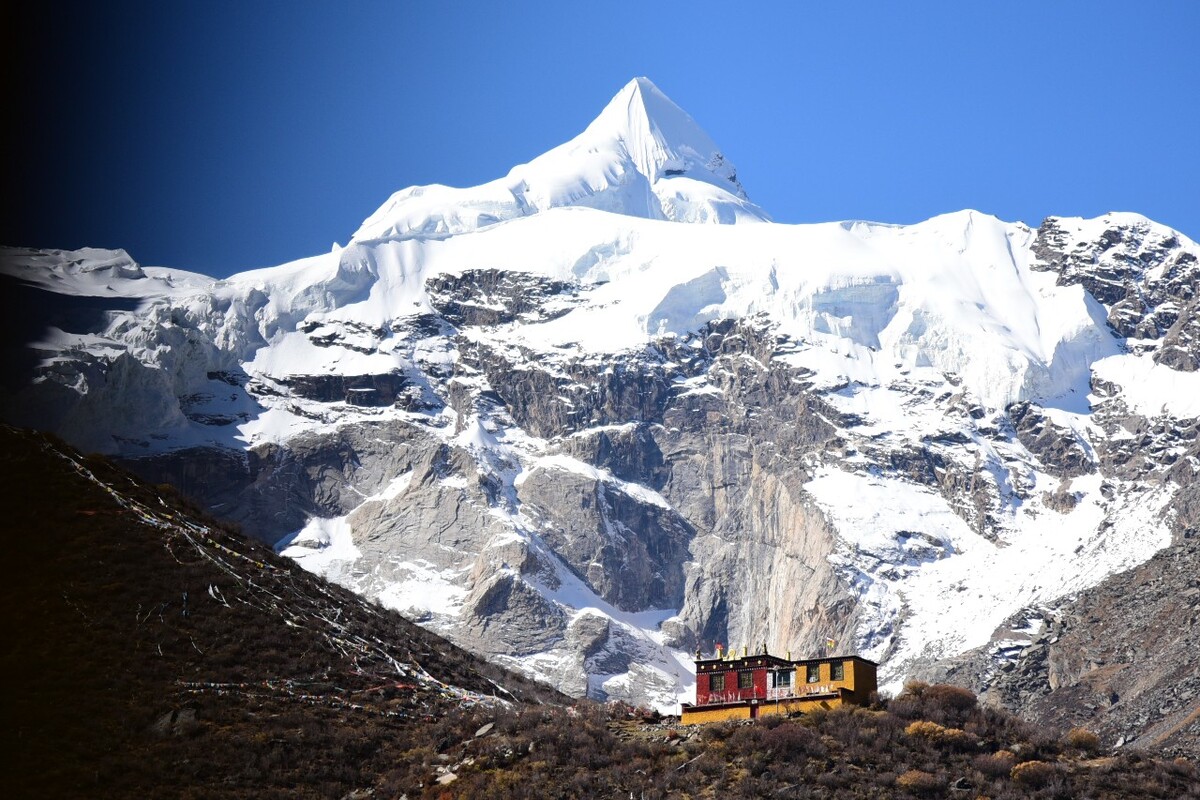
1033	773
919	782
1083	739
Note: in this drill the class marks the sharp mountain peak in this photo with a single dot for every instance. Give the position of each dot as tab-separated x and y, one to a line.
643	156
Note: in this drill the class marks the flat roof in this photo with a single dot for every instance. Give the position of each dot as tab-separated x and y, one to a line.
756	657
778	660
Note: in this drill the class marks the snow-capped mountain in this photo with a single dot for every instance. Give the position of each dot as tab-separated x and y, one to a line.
558	421
642	157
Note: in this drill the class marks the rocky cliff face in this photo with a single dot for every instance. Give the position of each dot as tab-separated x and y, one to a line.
587	444
592	518
1143	275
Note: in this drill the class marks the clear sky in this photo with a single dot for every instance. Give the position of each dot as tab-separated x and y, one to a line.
224	136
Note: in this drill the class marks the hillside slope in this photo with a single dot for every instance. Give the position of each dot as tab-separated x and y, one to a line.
149	653
1119	658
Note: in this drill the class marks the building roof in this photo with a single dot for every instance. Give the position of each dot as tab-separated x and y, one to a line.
768	660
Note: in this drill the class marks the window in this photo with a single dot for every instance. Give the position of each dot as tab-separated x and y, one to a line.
782	678
716	683
814	673
837	671
745	680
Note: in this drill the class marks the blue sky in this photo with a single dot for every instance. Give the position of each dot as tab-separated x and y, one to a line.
225	136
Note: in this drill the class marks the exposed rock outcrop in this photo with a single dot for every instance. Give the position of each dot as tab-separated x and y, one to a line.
1058	448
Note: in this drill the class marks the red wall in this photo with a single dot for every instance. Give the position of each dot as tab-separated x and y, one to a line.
703	685
760	683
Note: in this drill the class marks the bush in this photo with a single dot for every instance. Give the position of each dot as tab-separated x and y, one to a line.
919	782
1033	774
1083	739
792	741
996	765
1181	766
949	703
924	729
958	739
716	733
931	731
941	703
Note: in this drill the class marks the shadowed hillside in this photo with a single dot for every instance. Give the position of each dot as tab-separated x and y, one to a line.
148	653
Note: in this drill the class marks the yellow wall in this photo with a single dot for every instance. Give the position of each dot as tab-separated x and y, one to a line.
863	681
859	678
699	716
795	706
790	706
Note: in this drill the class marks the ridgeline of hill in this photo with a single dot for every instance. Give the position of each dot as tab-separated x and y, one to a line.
151	652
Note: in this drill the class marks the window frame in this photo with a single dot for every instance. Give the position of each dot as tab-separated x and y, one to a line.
837	671
746	680
716	682
812	673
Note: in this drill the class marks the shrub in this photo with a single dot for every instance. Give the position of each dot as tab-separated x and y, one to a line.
815	718
1033	774
957	697
716	733
1083	739
905	705
995	765
949	703
931	731
924	729
958	739
941	703
919	782
1181	766
791	741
